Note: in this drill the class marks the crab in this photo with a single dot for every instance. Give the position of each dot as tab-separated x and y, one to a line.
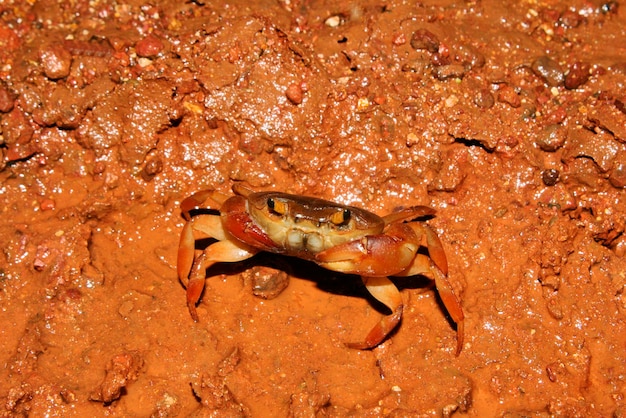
337	237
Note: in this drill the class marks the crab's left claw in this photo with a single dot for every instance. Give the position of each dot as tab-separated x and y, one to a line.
373	255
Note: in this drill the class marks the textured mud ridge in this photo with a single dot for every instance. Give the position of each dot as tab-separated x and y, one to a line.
508	118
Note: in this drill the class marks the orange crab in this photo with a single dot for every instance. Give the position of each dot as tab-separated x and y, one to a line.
337	237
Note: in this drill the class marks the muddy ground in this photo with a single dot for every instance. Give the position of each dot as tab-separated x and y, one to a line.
508	118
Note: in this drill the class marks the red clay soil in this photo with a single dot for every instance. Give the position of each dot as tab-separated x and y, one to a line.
508	118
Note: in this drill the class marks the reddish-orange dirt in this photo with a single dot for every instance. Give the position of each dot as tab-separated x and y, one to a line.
508	118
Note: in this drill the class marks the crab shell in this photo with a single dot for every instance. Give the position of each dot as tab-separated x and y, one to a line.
304	226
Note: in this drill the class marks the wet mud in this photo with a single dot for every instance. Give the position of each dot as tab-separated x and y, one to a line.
508	118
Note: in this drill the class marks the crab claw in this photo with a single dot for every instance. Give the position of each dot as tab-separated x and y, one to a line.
394	253
373	255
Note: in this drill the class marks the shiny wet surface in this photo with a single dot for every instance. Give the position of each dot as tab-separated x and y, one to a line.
509	119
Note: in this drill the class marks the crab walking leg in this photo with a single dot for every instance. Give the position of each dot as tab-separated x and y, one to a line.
435	247
426	266
186	253
452	304
408	214
386	292
221	251
208	226
198	199
195	284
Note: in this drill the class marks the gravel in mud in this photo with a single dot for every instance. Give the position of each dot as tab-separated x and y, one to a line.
508	118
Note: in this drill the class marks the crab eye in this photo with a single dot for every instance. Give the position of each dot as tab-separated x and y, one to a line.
276	206
341	217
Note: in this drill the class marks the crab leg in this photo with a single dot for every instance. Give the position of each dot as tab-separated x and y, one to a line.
186	253
221	251
408	214
436	267
191	269
195	285
452	304
208	226
435	247
386	292
198	199
423	265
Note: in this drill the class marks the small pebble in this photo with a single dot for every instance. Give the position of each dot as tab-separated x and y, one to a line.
551	138
294	93
446	72
152	168
399	39
507	95
47	204
577	75
469	57
333	21
55	61
424	39
570	19
149	47
550	177
267	283
484	99
549	70
610	7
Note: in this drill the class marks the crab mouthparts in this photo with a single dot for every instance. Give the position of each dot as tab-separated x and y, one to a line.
300	240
